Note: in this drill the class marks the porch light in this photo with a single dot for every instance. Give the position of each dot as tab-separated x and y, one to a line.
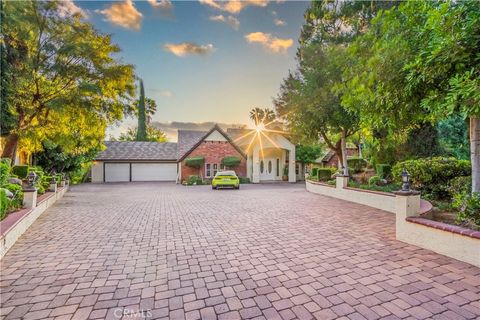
405	180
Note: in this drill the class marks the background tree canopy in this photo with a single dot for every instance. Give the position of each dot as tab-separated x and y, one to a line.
65	86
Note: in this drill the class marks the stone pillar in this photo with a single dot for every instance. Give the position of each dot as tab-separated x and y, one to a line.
256	165
30	197
341	182
53	187
407	204
292	176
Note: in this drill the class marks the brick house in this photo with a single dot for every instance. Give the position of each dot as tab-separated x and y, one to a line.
260	160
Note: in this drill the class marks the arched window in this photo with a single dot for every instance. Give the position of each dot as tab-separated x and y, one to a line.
261	166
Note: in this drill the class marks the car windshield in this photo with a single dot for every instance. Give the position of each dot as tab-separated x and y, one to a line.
226	173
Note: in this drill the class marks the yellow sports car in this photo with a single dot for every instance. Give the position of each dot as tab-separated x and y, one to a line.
226	179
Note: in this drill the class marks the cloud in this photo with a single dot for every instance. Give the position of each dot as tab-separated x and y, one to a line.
166	93
165	7
274	44
69	8
124	14
234	6
186	48
279	22
274	13
230	20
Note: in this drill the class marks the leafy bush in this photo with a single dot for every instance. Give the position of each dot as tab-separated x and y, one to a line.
231	161
3	203
20	171
4	173
357	164
468	206
40	189
195	162
7	161
244	180
459	185
324	174
383	170
374	181
432	175
383	188
17	200
314	172
194	180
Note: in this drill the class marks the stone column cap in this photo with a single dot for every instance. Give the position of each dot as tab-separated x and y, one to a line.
29	189
407	193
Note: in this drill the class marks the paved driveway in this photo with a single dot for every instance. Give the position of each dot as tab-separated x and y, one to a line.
152	250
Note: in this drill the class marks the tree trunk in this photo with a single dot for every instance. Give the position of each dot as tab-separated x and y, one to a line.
475	152
344	152
10	148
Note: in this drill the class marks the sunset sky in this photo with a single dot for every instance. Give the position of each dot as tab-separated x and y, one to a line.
203	60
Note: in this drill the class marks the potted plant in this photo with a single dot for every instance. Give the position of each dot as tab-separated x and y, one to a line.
285	173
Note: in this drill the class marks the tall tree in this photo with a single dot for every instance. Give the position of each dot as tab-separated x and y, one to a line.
68	86
142	122
153	134
420	63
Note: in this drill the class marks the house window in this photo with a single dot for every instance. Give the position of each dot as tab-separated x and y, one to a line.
207	170
222	167
296	169
261	166
215	169
269	166
278	167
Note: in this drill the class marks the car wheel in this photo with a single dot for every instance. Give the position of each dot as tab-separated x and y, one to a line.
237	187
213	188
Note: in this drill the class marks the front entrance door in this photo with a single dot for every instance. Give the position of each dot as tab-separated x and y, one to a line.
267	169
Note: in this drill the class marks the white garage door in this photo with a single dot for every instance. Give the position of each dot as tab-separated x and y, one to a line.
117	172
154	171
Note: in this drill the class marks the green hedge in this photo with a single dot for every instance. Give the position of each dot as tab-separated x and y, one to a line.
20	171
231	161
432	176
194	180
324	174
195	162
384	171
17	191
3	203
314	172
374	181
357	164
4	173
7	161
244	180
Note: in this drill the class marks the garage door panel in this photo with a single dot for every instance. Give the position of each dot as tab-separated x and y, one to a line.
117	172
154	171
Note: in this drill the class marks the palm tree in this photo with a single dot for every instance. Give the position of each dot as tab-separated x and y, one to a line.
268	116
257	114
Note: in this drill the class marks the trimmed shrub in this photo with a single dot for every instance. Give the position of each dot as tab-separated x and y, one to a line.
4	173
244	180
194	180
460	185
195	162
231	161
324	174
314	172
374	181
469	207
383	170
432	176
357	164
40	189
17	191
3	203
20	171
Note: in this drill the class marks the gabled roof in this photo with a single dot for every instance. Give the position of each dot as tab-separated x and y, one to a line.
139	150
199	136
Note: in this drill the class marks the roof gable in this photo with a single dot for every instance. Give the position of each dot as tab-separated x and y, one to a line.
200	138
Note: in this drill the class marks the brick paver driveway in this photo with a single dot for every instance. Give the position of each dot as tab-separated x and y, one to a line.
266	251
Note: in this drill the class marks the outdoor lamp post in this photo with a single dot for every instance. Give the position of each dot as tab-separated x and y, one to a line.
31	178
405	181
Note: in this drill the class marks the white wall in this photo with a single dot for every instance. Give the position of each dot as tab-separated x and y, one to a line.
97	172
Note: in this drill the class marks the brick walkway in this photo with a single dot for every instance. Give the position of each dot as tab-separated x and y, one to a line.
265	251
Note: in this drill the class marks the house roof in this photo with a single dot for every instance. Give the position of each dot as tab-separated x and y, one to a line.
138	150
187	139
199	136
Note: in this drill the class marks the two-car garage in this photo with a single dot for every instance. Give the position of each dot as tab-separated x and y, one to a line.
135	171
135	161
